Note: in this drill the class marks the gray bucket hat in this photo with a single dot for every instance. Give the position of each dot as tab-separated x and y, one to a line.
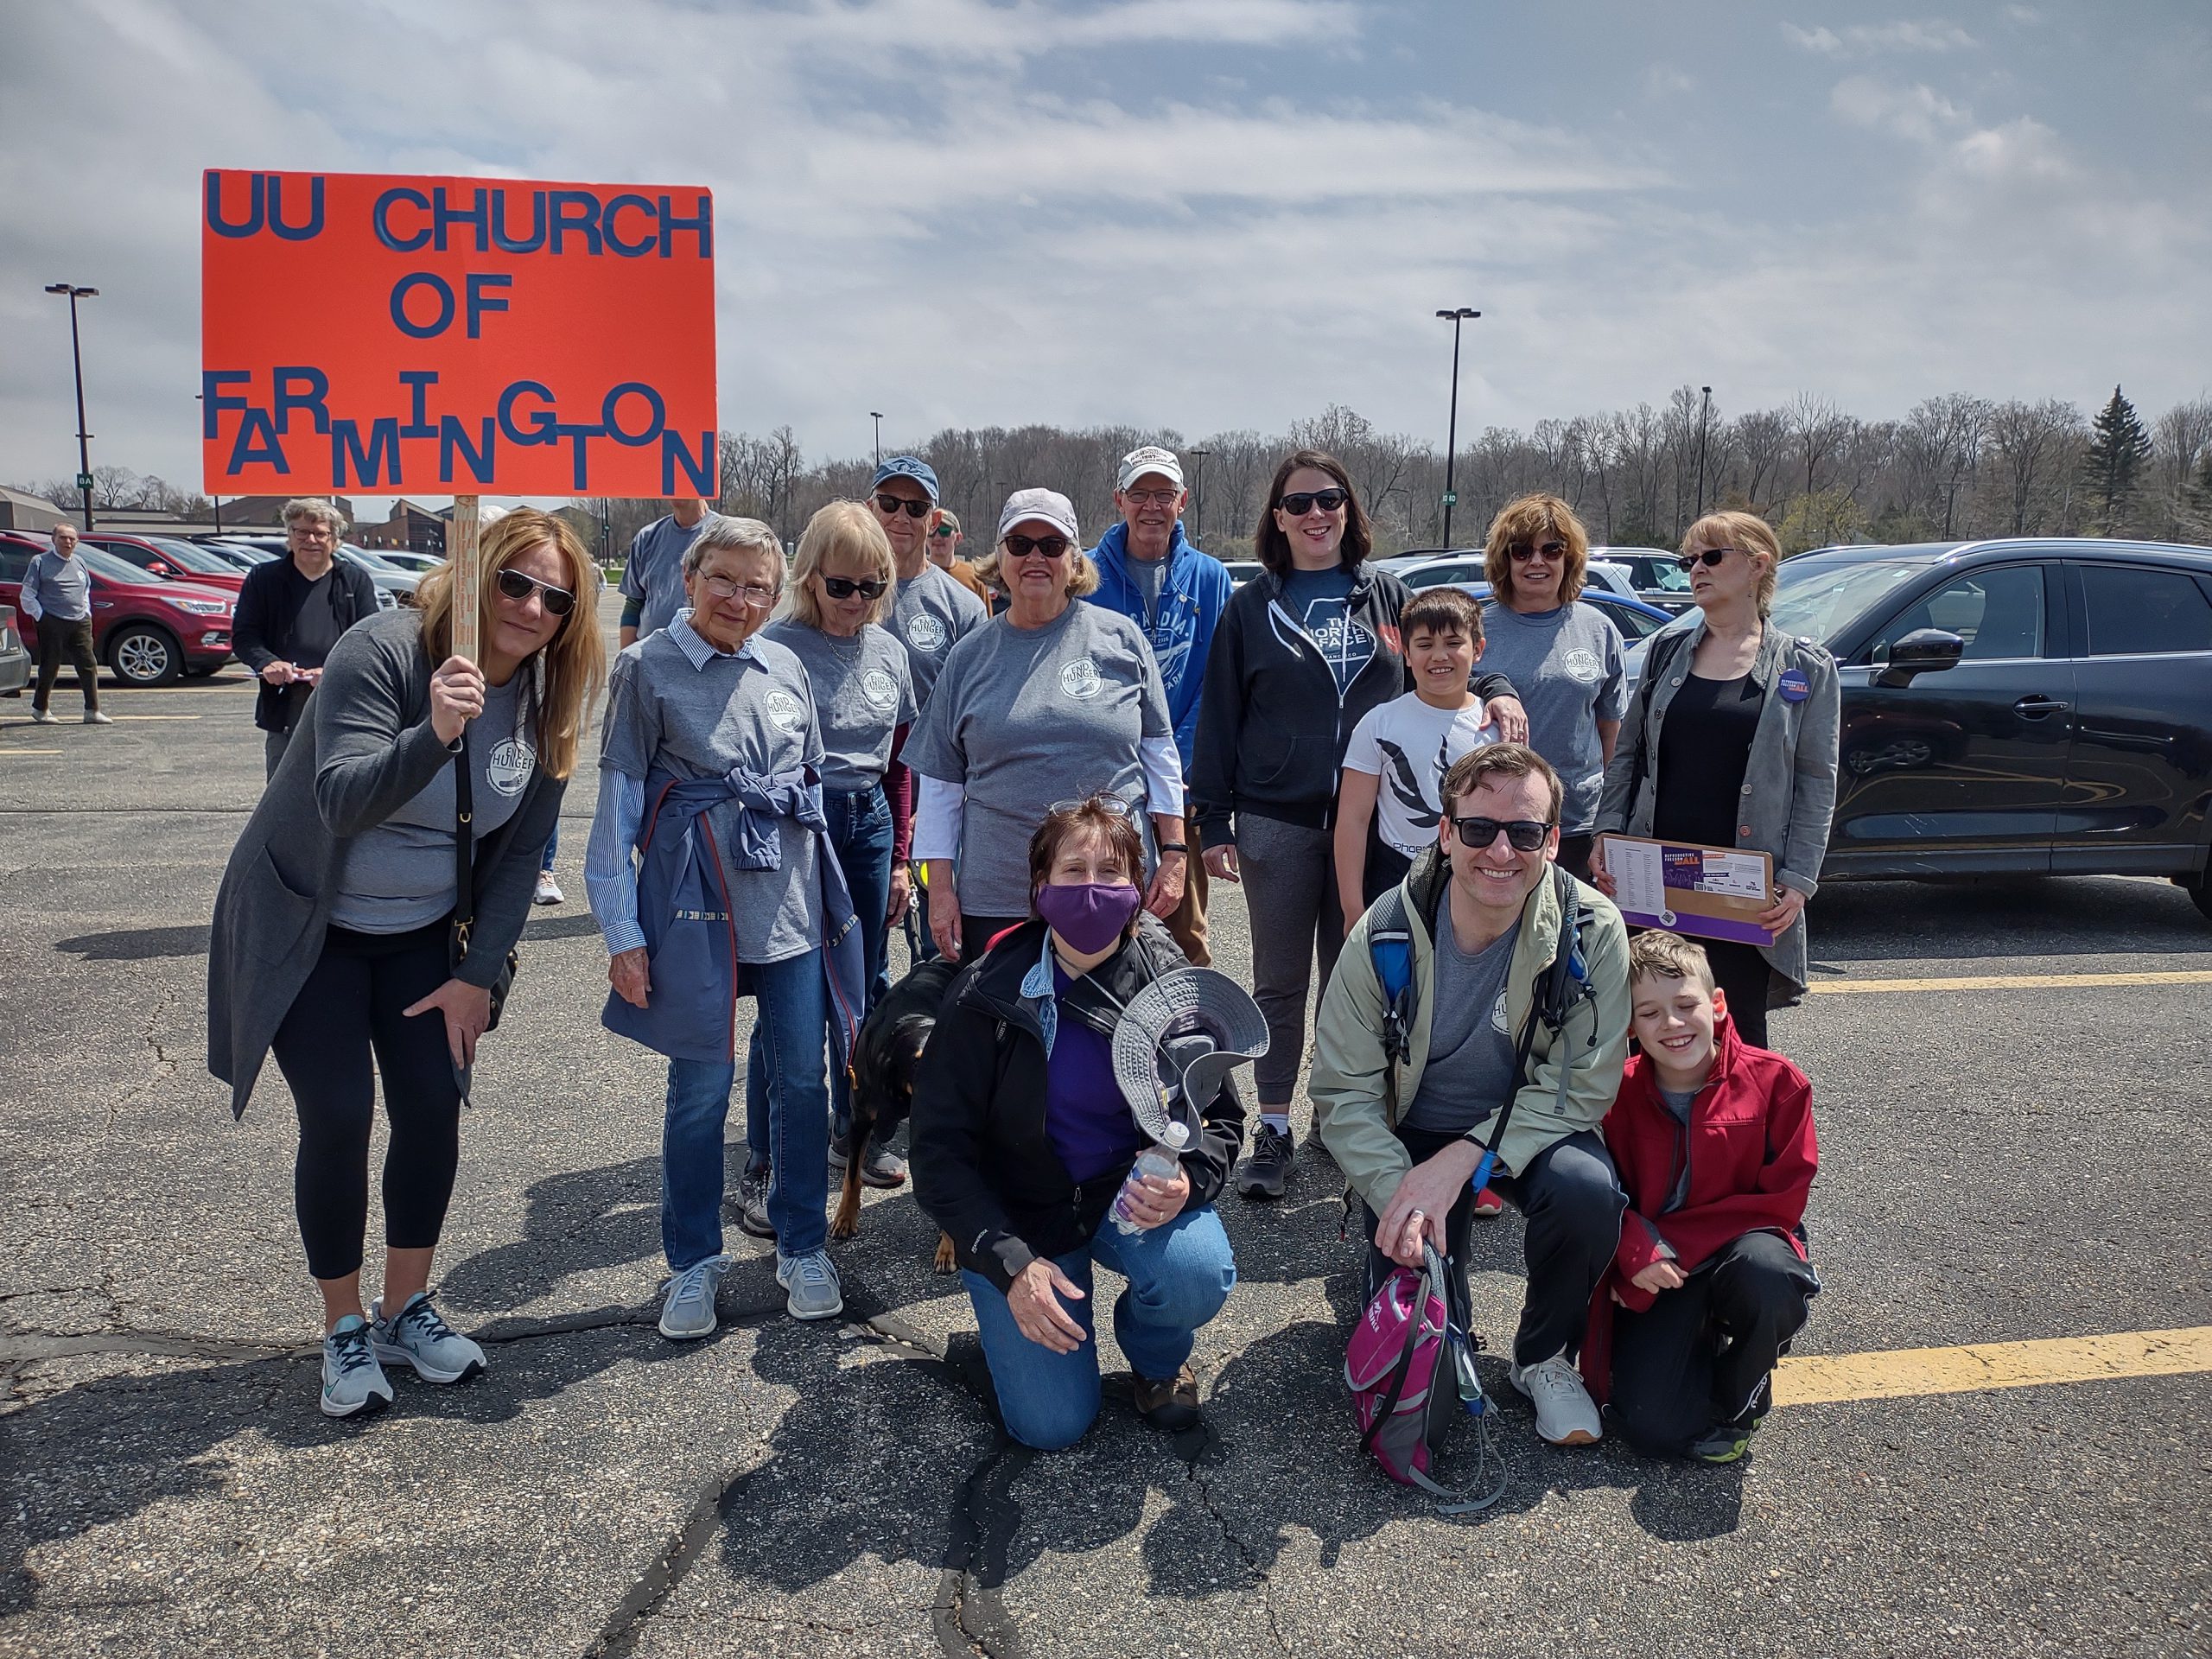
1177	1041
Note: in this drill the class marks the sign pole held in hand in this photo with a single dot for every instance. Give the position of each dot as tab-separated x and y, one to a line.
468	580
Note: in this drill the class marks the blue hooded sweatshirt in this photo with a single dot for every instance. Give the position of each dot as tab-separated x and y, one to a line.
1192	594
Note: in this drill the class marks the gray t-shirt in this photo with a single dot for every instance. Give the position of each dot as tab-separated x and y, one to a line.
755	710
1678	1101
654	572
932	614
863	692
1565	666
64	586
1148	576
400	874
315	630
1470	1067
1025	718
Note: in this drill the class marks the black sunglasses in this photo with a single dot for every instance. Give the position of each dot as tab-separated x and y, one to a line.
890	505
1523	834
558	602
845	587
1050	546
1708	558
1305	501
1522	552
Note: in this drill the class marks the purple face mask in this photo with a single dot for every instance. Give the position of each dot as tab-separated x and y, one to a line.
1088	916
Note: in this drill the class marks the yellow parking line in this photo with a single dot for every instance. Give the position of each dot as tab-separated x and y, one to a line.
5	749
2015	981
157	716
1814	1379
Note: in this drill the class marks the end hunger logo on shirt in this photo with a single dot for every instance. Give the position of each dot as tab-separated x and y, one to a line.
1080	677
1581	664
786	712
879	690
507	768
925	633
1498	1015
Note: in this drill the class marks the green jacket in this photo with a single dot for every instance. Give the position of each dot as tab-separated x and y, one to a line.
1355	1107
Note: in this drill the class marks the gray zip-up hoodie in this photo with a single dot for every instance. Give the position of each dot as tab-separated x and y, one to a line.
1789	794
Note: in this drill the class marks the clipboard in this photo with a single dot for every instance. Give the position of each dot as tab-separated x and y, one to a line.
1713	893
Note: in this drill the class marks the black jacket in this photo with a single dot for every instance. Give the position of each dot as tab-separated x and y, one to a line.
262	622
1272	728
985	1169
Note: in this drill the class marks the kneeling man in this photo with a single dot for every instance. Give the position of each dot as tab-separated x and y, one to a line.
1483	913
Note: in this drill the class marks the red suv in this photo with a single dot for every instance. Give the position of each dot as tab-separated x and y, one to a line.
148	630
170	558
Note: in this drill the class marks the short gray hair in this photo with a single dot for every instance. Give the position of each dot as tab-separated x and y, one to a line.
314	506
742	535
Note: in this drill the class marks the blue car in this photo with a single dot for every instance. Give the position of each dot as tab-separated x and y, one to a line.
1635	619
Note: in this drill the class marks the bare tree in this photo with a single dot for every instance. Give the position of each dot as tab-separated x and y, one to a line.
2032	447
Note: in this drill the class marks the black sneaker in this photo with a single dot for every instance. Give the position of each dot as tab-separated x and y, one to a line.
753	1204
1723	1442
1266	1173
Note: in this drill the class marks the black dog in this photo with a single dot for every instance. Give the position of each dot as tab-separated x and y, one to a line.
885	1058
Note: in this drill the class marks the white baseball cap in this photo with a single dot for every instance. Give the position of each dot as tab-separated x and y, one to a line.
1050	506
1150	458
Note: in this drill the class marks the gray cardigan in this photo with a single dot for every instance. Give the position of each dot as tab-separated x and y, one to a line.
1788	782
368	751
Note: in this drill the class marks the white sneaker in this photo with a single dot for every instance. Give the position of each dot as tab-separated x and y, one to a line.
1566	1416
94	718
45	717
549	891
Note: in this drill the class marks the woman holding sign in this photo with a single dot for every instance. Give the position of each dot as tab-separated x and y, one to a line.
1731	741
336	937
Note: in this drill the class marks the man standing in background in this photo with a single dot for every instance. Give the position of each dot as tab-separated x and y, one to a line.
290	612
1152	574
944	553
58	598
652	579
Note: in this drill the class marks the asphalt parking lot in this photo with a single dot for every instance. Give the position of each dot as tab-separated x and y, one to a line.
2013	1163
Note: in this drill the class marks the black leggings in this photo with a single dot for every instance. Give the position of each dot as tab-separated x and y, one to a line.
1741	971
351	1005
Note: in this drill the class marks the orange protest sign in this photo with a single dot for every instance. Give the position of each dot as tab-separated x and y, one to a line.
462	336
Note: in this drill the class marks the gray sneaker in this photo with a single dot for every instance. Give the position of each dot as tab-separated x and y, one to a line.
811	1281
753	1204
879	1166
420	1339
687	1313
351	1379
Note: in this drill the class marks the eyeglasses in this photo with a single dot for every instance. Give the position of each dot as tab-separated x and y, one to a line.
1305	501
845	587
516	584
1152	497
1050	546
753	593
1523	834
1102	801
1549	552
1708	557
891	506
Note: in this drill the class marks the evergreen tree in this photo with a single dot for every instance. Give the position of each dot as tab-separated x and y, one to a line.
2115	459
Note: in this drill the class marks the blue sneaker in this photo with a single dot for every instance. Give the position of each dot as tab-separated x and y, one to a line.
687	1313
351	1379
420	1339
812	1286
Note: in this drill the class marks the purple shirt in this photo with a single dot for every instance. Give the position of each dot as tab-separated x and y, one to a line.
1091	1126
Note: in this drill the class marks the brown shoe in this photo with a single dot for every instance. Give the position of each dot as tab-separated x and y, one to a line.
1171	1404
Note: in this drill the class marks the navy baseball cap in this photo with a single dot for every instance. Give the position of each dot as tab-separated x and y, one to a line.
908	467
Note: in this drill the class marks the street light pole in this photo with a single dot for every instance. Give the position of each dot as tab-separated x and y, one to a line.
1456	316
1199	491
876	415
77	357
1704	425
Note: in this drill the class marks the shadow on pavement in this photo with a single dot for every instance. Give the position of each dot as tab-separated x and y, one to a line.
2057	916
140	945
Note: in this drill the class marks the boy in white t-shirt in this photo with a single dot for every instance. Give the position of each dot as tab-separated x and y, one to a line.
1400	750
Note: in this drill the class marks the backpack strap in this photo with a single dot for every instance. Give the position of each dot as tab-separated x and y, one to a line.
1390	949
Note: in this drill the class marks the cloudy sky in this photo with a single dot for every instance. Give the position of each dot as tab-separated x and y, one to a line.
1196	213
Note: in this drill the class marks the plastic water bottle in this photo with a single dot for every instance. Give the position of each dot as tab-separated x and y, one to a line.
1159	1162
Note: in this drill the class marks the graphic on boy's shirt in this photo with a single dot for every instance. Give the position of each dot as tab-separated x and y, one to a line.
1423	805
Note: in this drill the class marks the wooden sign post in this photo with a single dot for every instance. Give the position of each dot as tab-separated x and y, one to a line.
468	580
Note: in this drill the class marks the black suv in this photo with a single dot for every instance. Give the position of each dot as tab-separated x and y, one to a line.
2034	705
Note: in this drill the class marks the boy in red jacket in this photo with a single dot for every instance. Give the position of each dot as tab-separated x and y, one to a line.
1713	1141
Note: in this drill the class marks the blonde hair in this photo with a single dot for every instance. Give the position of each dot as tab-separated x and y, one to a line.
849	528
1748	533
1658	955
1524	519
572	665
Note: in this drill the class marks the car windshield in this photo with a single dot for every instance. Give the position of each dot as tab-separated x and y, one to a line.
105	564
1818	599
362	556
193	559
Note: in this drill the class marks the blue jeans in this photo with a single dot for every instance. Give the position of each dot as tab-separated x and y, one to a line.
859	831
786	1061
1179	1276
553	848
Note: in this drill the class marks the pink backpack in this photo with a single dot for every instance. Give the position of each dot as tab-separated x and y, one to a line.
1396	1361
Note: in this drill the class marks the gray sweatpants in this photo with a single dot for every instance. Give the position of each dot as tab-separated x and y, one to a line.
1290	895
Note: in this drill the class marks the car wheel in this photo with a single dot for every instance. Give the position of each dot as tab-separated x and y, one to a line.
142	655
2201	890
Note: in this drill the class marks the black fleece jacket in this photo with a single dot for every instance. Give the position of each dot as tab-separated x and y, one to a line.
1272	728
985	1169
268	610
